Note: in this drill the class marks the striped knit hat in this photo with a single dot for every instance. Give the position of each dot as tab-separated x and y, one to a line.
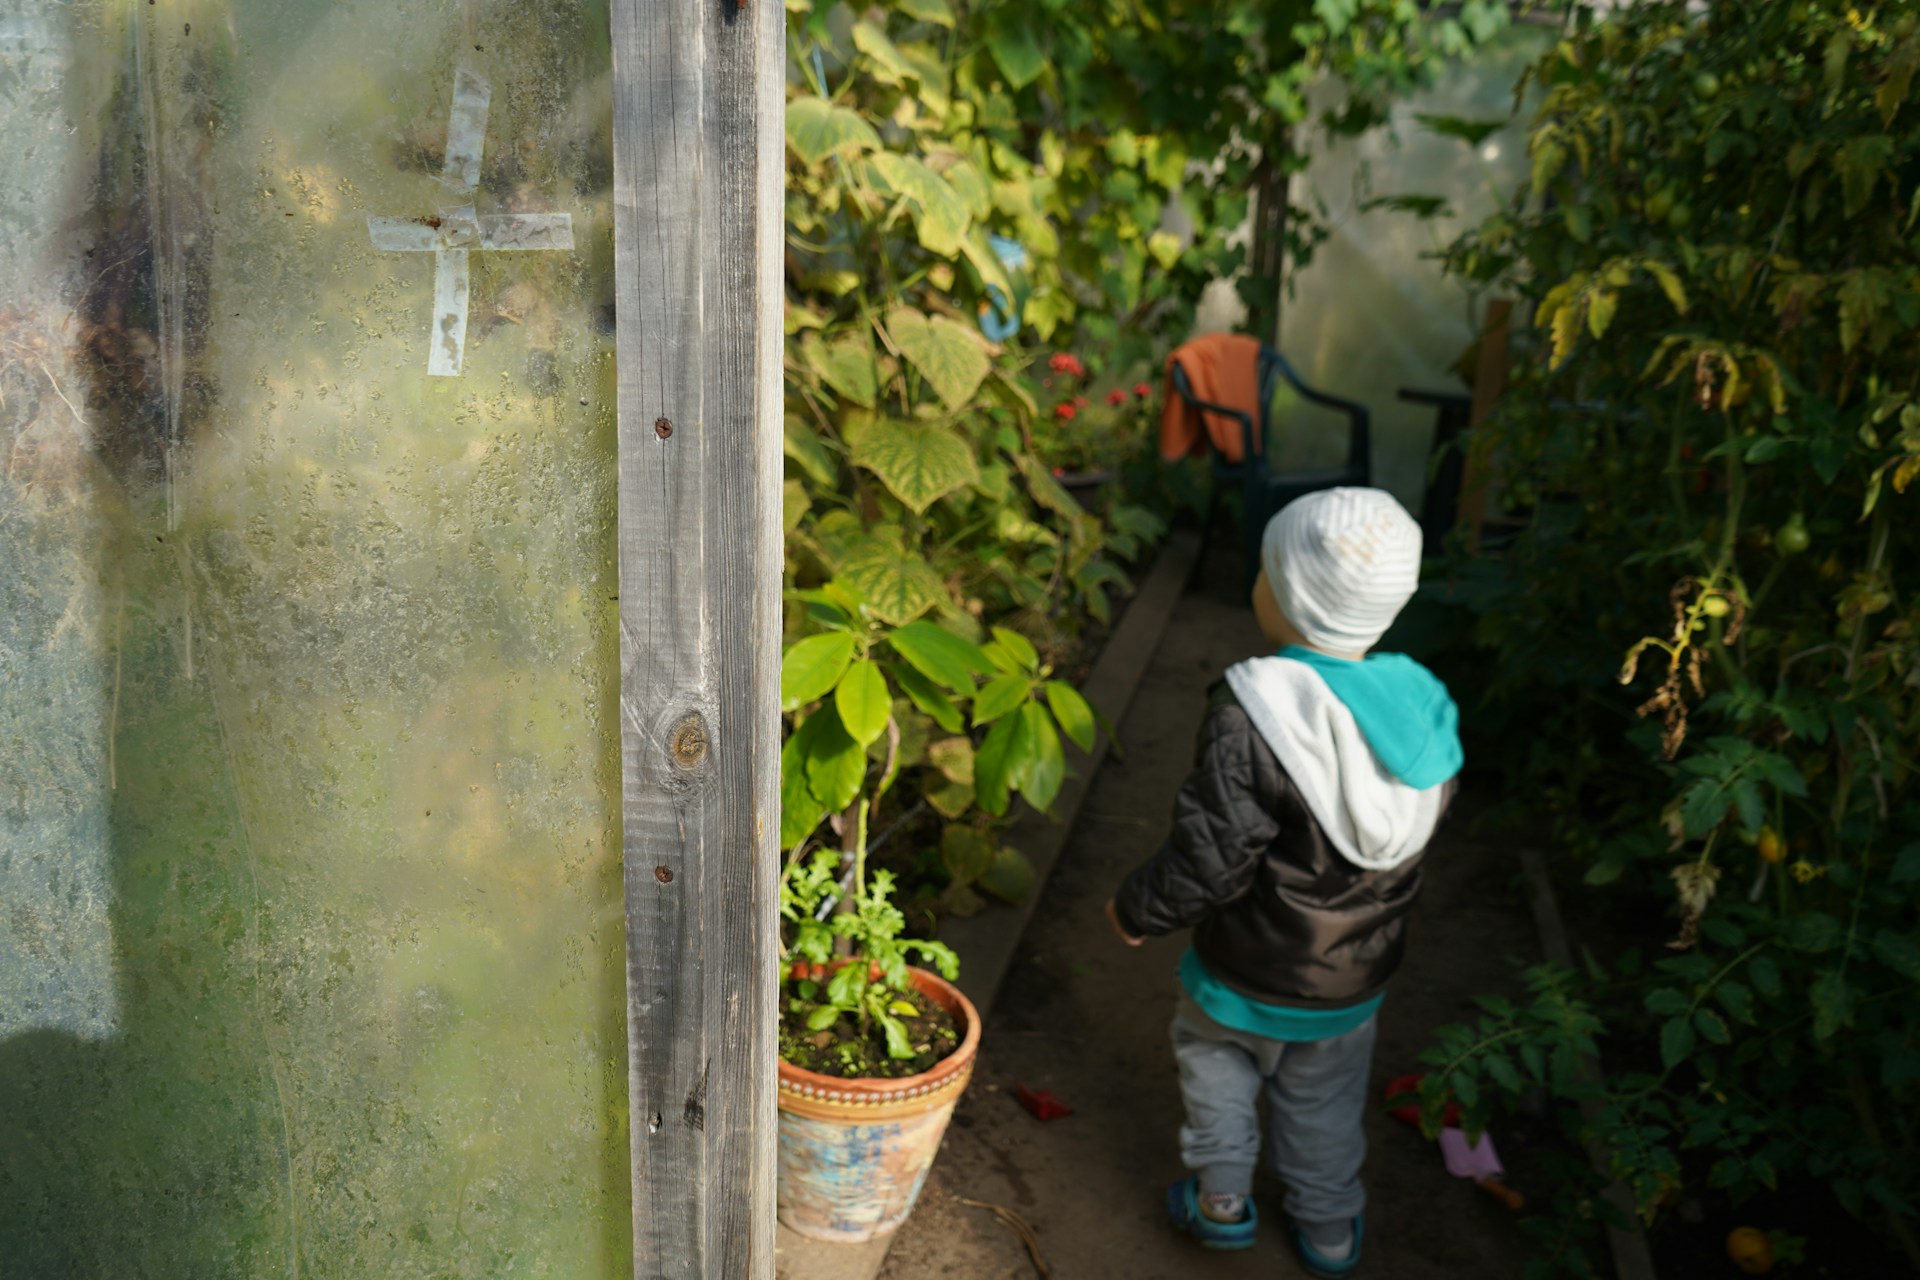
1342	564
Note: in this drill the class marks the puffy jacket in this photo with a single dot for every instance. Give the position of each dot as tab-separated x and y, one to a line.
1278	914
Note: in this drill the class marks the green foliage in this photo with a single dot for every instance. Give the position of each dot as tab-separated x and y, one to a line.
1710	429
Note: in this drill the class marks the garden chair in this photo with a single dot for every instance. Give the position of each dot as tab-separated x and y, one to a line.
1264	491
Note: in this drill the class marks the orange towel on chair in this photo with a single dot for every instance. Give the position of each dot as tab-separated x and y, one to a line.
1223	369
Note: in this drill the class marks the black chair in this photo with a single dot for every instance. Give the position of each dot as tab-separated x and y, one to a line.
1441	507
1263	490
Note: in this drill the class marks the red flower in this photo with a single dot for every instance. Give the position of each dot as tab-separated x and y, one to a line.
1142	390
1065	411
1116	396
1063	362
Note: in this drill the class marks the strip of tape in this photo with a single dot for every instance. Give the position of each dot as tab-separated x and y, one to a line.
466	131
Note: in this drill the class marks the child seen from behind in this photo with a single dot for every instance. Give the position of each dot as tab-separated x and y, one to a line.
1295	858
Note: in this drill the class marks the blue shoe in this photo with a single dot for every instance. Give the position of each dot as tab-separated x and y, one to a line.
1183	1206
1319	1264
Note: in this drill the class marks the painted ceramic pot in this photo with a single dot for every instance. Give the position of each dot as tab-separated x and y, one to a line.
854	1153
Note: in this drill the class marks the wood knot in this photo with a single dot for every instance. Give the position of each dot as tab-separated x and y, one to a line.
689	741
663	874
662	428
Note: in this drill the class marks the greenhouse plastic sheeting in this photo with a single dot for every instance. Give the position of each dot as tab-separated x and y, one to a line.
310	909
1373	311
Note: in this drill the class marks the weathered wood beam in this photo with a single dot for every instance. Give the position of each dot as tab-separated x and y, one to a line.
699	153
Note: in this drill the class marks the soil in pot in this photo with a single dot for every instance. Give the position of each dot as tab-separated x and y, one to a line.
842	1051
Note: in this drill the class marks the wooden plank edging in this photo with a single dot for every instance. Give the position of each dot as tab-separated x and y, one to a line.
1632	1259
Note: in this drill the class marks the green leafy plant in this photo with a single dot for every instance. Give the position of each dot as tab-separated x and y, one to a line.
870	987
1710	426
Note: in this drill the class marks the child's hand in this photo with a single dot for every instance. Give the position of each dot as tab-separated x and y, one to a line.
1113	916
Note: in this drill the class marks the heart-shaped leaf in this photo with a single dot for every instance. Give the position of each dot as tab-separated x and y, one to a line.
812	666
846	365
863	701
919	462
817	129
1010	877
940	215
947	355
897	586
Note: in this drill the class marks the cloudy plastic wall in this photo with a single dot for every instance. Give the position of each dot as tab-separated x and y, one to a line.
1373	311
310	911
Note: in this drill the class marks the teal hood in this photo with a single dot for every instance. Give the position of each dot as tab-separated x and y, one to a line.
1404	712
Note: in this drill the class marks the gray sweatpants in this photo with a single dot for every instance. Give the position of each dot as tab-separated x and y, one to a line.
1316	1093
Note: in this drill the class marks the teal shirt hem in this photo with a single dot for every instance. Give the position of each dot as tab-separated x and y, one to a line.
1276	1022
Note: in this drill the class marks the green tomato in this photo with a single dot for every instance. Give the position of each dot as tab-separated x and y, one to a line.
1715	607
1706	84
1660	204
1681	217
1792	537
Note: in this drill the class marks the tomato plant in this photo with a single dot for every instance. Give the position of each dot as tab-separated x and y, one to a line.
1720	417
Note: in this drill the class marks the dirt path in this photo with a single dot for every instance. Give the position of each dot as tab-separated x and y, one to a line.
1086	1017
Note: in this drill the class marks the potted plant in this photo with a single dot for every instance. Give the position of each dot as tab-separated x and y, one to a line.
874	1052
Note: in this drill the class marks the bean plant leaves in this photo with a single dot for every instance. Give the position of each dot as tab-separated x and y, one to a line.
812	666
1073	713
999	696
817	129
919	462
940	655
804	447
948	356
863	701
993	762
846	365
1044	767
800	810
928	697
836	764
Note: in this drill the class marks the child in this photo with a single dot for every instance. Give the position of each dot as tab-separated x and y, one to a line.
1294	856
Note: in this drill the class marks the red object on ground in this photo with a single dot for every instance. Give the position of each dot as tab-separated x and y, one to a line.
1041	1103
1402	1096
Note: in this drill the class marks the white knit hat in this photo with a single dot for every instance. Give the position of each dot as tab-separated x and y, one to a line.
1342	564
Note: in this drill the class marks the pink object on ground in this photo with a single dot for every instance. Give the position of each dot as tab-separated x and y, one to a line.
1470	1161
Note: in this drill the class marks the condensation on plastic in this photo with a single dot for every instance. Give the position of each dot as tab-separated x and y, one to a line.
1373	312
310	906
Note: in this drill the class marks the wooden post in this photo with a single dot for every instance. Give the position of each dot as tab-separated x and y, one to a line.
699	153
1489	380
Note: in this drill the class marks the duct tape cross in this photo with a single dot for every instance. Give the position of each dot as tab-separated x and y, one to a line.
455	230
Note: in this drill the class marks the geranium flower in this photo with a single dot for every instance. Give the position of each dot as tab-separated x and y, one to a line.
1065	411
1064	362
1116	396
1142	390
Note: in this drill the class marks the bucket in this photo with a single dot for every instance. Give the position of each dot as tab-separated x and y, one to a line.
854	1153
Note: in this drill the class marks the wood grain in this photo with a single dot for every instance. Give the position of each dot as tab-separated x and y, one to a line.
699	154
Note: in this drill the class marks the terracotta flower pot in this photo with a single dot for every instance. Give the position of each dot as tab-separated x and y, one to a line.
854	1153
